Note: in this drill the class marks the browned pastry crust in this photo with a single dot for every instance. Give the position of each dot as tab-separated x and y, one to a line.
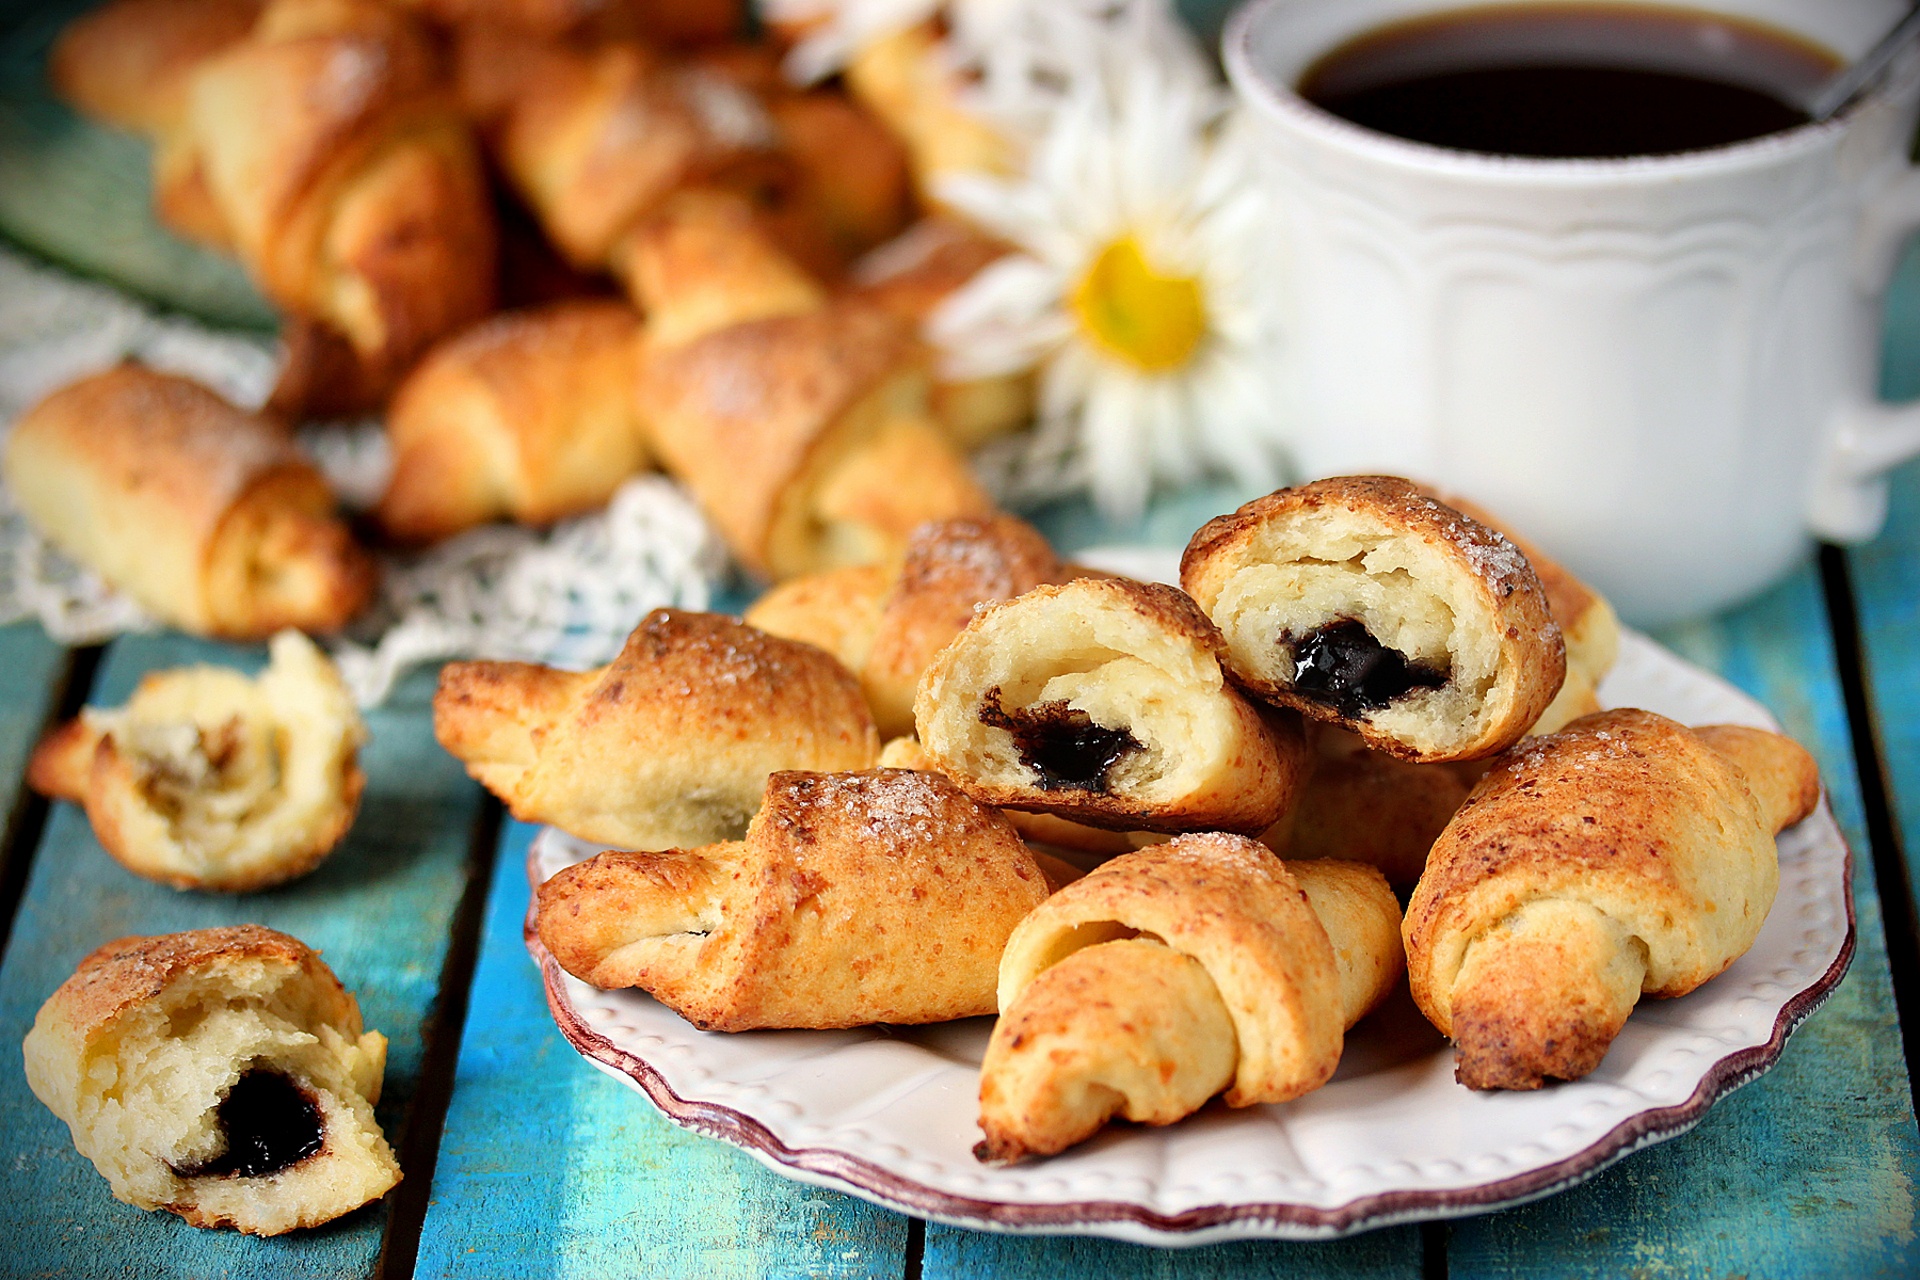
667	746
1367	806
852	173
351	189
1624	855
207	779
1098	1019
883	896
888	624
206	515
139	1050
127	62
1103	701
906	79
1421	629
529	415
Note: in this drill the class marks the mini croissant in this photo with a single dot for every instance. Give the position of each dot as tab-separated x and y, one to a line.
1624	855
208	516
1169	975
1363	602
669	745
889	626
856	898
801	424
1367	806
529	415
1104	701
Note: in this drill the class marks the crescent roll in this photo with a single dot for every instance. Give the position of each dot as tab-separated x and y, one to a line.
889	626
1170	975
207	779
1365	603
529	415
801	424
669	745
352	191
855	898
1624	855
219	1074
1103	700
208	516
1367	806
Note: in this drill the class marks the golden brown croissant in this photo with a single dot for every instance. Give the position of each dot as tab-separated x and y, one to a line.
351	189
911	276
219	1074
669	745
883	896
1104	701
799	424
905	79
850	172
1367	806
887	625
206	779
1171	974
529	415
1363	602
1626	854
206	515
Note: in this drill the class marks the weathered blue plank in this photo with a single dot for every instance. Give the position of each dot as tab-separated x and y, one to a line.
549	1168
380	909
954	1254
1809	1171
30	669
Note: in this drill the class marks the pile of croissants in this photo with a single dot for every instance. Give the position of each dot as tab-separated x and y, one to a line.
1164	834
558	242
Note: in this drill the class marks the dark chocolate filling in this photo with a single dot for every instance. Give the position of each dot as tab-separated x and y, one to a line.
1342	666
271	1124
1061	744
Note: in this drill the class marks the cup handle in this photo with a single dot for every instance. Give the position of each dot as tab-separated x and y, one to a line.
1870	437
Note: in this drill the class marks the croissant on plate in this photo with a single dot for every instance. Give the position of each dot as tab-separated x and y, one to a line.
1170	975
346	181
882	896
1363	602
1105	701
1624	855
206	515
799	423
887	624
528	415
669	745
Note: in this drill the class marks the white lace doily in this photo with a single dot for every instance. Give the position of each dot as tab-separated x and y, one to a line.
566	596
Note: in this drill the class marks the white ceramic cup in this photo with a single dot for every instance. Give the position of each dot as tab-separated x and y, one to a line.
1662	369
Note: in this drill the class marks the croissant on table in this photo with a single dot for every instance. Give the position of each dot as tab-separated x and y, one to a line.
799	422
1624	855
206	515
880	896
345	179
1170	975
529	415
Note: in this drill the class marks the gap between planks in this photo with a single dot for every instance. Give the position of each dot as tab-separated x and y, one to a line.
29	816
1890	876
419	1146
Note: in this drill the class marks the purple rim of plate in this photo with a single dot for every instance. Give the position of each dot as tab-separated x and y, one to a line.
870	1180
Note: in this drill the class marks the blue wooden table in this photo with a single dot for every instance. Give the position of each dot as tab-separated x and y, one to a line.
522	1160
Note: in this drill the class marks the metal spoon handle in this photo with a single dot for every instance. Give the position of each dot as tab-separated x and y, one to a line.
1850	83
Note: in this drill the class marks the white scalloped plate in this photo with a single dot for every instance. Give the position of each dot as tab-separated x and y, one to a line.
888	1113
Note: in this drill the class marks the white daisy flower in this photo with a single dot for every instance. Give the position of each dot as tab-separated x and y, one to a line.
1137	292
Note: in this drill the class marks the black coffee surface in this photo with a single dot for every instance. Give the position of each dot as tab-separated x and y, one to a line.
1571	81
271	1124
1342	666
1065	749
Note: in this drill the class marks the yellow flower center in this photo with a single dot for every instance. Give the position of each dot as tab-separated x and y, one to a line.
1151	321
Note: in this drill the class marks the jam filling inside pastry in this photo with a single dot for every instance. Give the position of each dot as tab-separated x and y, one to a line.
1060	743
1342	666
270	1123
